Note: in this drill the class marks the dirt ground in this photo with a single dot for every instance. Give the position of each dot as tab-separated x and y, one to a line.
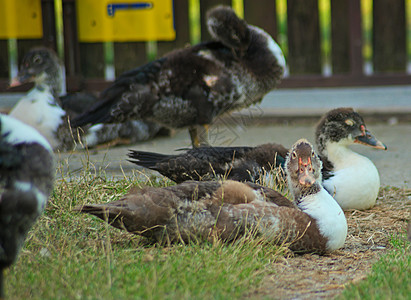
312	276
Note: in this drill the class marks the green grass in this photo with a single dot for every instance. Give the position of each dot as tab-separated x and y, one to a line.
390	276
75	256
69	255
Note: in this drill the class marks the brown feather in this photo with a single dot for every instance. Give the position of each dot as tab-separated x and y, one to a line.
207	210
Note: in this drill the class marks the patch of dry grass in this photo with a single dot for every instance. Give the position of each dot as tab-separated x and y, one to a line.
72	255
370	237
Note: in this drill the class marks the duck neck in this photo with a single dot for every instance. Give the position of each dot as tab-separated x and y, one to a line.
51	80
329	217
300	192
338	153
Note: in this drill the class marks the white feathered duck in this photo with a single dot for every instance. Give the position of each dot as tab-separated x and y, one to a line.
26	181
50	113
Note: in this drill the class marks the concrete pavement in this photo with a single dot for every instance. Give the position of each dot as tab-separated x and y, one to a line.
394	164
283	117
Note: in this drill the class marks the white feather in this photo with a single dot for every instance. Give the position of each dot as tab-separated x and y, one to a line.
28	187
272	45
92	139
356	181
39	110
329	215
18	132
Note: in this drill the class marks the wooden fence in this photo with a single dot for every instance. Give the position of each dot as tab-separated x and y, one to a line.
85	61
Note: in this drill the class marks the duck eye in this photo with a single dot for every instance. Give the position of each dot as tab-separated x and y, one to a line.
313	154
349	122
37	59
294	155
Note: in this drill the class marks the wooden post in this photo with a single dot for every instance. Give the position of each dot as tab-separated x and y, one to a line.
49	24
303	37
355	37
92	60
389	36
262	14
71	47
49	32
181	26
4	60
340	47
128	56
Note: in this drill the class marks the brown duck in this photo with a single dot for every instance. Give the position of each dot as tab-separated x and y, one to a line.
208	209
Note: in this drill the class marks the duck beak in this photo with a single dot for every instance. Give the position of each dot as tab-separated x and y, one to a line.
20	79
305	172
366	138
15	82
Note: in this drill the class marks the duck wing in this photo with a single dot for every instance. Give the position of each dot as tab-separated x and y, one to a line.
241	163
148	211
260	160
74	104
202	163
205	210
131	81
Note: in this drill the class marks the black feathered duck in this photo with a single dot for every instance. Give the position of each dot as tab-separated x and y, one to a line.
351	178
26	181
192	86
44	109
196	210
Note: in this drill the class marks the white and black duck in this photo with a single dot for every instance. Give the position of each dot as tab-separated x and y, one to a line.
192	86
196	210
43	108
350	177
26	181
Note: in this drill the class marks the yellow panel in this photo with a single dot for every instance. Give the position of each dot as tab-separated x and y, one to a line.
20	19
125	20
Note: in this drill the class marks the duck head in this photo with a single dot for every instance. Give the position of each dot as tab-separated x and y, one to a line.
345	127
224	25
303	168
41	66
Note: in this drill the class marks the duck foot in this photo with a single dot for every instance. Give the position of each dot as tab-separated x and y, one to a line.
199	135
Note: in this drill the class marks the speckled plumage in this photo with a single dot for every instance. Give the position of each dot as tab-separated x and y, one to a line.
203	210
43	108
351	178
26	180
205	163
192	86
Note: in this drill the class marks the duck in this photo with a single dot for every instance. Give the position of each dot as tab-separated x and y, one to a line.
191	87
45	109
205	210
351	178
242	163
26	181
